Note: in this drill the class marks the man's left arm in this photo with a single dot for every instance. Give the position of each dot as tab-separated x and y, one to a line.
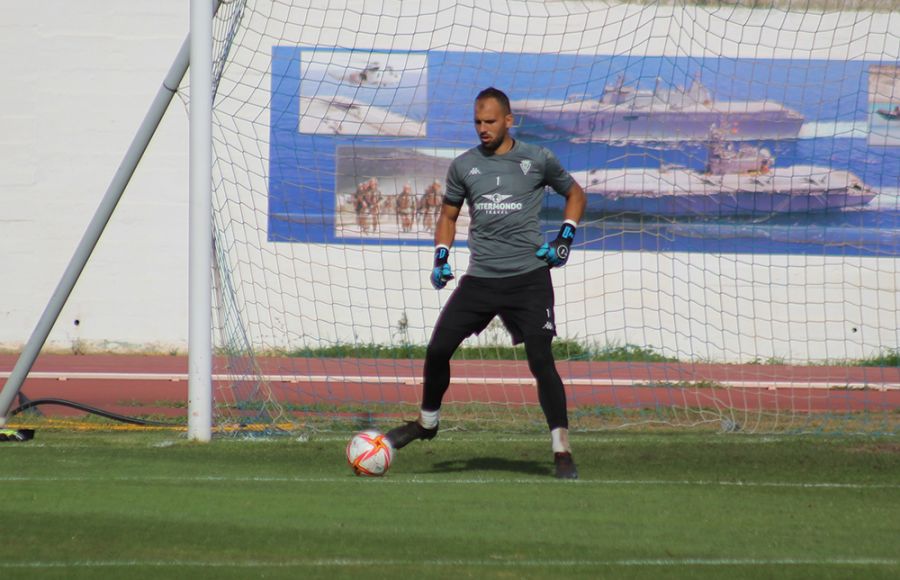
556	253
576	202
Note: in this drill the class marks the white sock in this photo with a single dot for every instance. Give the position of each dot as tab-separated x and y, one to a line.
559	439
429	419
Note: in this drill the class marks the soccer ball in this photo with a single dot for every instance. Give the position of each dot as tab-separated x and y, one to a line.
369	453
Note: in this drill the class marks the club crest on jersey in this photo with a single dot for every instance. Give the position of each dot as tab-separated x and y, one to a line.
525	166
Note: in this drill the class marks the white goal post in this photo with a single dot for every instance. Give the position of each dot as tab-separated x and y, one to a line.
200	395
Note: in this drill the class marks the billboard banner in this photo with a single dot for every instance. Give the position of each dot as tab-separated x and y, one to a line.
698	154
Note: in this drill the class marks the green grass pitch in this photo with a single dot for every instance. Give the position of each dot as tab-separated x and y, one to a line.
662	505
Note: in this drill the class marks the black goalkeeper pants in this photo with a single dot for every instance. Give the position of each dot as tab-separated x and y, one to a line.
525	305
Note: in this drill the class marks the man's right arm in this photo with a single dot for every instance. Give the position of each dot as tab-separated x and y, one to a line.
444	234
445	230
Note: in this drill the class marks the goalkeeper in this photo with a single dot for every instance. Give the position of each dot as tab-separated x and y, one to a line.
503	182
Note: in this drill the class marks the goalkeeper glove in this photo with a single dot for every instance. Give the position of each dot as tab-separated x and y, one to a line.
441	273
556	253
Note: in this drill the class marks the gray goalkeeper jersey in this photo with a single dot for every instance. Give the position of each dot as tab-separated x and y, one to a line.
504	194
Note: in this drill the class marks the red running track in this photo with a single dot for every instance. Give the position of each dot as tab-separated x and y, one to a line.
134	384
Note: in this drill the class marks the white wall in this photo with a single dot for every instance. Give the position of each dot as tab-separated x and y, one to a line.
78	78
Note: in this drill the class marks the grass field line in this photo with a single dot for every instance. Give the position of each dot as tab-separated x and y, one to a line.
443	481
416	381
498	562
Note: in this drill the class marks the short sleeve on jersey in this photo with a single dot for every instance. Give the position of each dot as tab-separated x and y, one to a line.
554	174
455	193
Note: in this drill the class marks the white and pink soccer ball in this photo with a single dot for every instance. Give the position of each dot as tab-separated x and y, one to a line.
369	453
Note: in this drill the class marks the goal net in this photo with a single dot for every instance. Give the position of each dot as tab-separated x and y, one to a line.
736	268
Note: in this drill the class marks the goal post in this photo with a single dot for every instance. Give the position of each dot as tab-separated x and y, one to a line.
200	398
741	225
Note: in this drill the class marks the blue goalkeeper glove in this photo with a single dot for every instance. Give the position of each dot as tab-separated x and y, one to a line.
556	253
441	273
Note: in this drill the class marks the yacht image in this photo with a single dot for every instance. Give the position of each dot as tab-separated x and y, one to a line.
737	181
624	113
374	74
336	115
890	114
